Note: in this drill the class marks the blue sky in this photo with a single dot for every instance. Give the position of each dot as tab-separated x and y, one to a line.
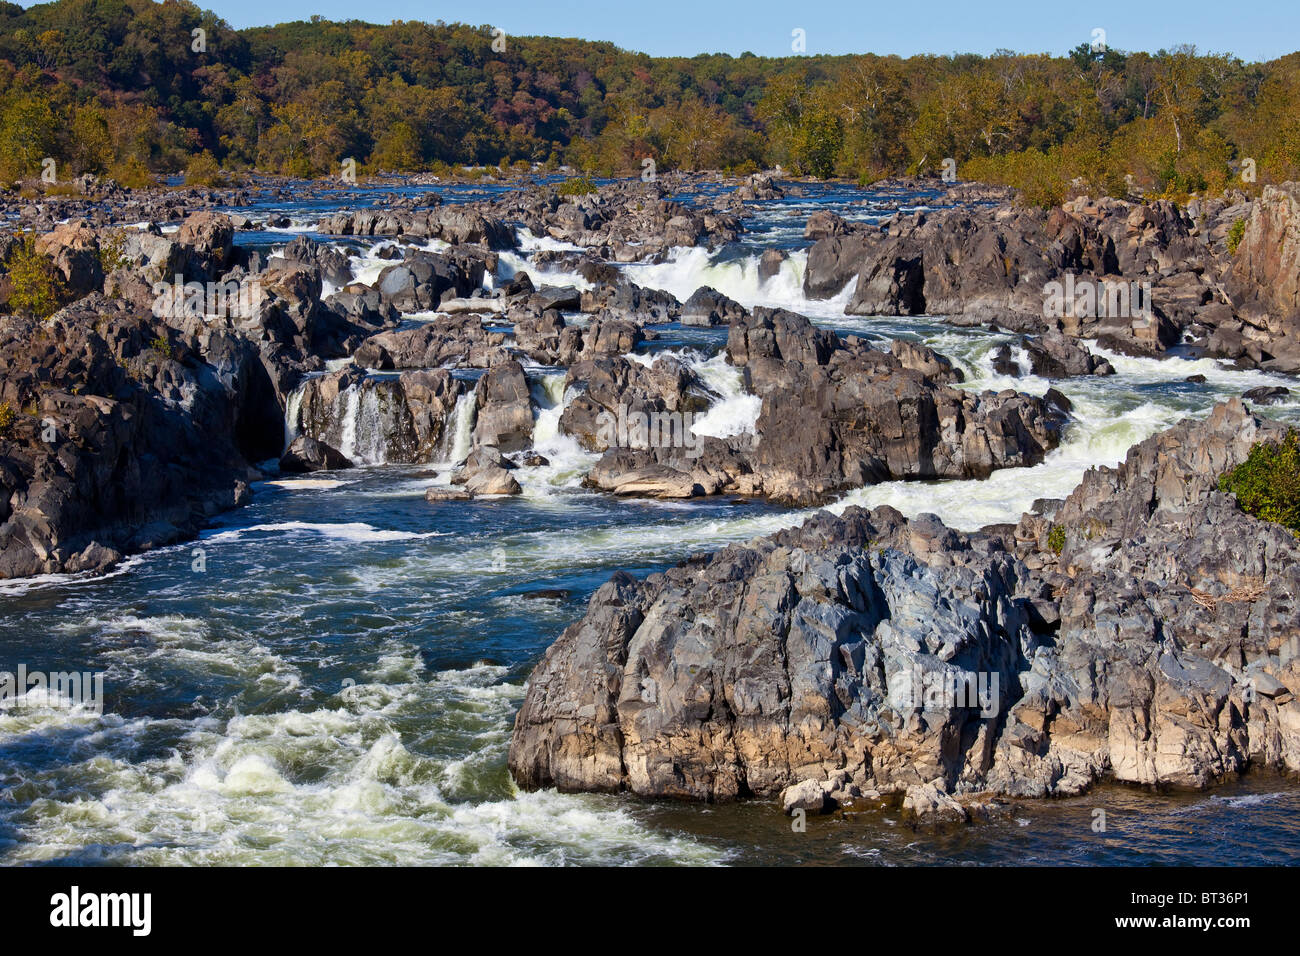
1252	29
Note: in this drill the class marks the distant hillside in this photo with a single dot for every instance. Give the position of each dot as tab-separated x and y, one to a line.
129	86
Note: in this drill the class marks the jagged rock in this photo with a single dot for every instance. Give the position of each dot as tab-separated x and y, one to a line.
419	282
710	307
872	654
630	220
454	224
832	416
505	411
458	340
127	436
1055	355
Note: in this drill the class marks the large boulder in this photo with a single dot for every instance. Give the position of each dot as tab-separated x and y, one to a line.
870	654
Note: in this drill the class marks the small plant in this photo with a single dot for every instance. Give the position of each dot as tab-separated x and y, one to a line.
162	346
1235	233
37	286
578	186
1267	483
112	252
1056	538
7	418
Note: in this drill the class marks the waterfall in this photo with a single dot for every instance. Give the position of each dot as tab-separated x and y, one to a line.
369	429
549	400
292	413
351	400
461	436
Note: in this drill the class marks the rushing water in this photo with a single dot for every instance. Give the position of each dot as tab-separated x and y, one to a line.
330	675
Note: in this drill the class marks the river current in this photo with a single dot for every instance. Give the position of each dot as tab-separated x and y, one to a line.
330	675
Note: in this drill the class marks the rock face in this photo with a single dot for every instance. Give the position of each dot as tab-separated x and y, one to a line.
872	653
1265	279
127	436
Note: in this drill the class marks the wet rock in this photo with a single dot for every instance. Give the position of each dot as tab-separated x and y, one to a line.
446	494
306	454
420	281
1055	355
505	411
769	263
710	307
1267	395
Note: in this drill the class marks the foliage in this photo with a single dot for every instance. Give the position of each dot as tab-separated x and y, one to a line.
113	86
1267	483
204	170
1235	234
7	418
1056	538
38	288
112	252
577	186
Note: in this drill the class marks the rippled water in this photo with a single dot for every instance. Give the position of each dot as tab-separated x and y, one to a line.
338	682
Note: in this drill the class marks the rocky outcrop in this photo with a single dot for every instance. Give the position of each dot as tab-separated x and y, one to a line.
1265	280
126	435
452	223
1139	277
622	221
452	340
834	415
505	410
1051	355
869	654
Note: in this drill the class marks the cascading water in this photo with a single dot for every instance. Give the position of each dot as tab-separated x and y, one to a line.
346	418
737	277
293	414
459	439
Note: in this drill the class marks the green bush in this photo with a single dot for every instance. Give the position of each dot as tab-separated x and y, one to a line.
1056	538
1267	483
37	286
578	186
7	418
1235	233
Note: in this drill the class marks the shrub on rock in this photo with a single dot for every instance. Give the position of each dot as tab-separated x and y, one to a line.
1267	483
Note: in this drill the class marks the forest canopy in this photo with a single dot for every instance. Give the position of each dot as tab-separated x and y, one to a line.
132	87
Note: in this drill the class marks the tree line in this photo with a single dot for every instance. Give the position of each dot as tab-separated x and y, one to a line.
130	88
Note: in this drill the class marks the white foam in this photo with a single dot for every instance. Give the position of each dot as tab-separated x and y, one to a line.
357	532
